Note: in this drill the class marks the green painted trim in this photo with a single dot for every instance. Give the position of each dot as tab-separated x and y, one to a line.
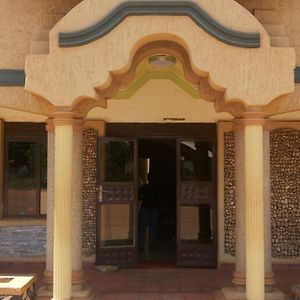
160	8
128	93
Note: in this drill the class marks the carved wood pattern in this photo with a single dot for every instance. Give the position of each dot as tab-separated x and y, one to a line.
196	193
195	256
118	193
123	257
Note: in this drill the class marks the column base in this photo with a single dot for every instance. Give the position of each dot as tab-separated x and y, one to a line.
85	294
239	279
80	289
237	294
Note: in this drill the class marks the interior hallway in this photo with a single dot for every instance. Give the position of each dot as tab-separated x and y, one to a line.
160	283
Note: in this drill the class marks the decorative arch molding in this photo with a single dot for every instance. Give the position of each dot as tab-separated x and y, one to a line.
284	104
17	99
206	89
160	8
234	78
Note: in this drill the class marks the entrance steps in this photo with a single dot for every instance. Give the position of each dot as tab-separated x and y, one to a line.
233	294
86	293
154	296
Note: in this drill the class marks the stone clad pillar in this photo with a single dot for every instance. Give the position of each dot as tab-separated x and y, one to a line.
239	276
254	198
62	264
269	276
77	273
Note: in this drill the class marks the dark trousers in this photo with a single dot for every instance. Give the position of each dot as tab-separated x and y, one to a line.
148	217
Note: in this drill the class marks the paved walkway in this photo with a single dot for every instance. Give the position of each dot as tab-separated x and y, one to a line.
162	283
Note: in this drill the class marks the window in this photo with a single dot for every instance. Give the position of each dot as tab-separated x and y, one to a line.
25	179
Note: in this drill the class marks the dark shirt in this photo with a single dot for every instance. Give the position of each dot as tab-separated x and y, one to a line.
149	195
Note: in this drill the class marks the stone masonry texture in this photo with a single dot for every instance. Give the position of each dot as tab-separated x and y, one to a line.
22	241
285	193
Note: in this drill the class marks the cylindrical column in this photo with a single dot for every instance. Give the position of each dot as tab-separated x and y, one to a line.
254	203
62	267
77	273
239	276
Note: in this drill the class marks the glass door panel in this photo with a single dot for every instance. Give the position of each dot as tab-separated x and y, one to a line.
117	193
117	225
21	179
196	205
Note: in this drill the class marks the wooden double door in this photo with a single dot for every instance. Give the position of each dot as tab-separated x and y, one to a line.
125	157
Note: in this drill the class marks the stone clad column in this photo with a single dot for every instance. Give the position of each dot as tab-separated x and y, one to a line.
269	276
254	204
239	276
62	264
77	273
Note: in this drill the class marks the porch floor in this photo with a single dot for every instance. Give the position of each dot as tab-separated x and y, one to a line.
160	282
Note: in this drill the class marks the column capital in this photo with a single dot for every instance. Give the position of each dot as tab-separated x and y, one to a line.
254	118
240	123
65	118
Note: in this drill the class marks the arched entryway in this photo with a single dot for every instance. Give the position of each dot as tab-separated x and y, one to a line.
91	58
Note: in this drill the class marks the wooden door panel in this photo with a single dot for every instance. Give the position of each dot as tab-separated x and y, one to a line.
118	193
196	203
193	255
124	257
117	202
196	192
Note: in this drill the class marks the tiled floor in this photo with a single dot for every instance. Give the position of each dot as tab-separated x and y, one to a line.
161	283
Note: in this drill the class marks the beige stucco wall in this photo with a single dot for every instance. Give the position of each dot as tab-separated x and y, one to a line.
20	22
72	73
289	13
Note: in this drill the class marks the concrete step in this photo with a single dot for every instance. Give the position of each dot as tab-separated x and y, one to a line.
86	293
267	16
39	47
280	41
154	296
49	20
275	29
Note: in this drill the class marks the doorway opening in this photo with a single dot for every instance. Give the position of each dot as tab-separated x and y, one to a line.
182	158
157	232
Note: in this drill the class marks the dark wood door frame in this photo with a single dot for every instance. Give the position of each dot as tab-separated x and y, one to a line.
196	131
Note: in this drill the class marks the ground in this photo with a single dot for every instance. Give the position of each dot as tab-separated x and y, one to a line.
160	282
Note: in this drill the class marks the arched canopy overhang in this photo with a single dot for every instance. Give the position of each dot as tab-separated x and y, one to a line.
222	47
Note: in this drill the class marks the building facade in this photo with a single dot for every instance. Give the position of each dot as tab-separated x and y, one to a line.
203	94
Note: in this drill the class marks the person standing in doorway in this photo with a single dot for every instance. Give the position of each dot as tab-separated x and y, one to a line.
148	214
